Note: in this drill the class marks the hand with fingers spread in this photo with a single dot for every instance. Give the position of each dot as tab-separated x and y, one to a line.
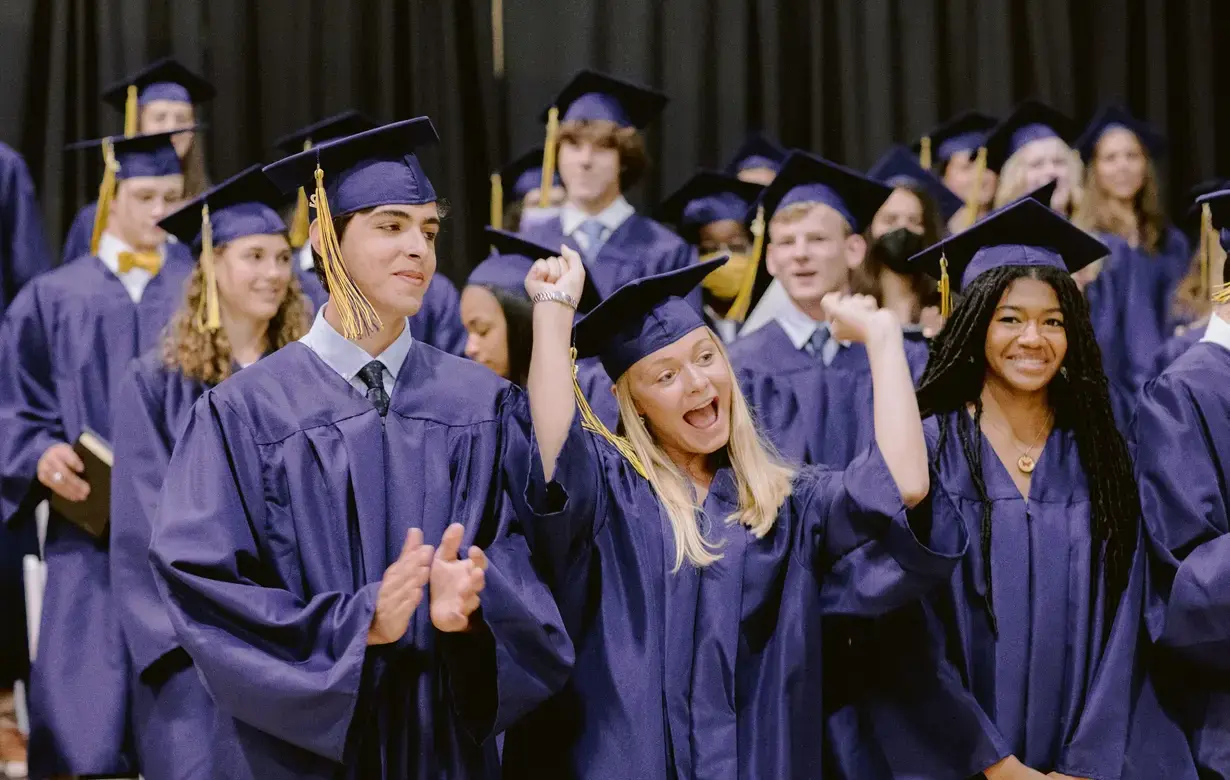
58	469
456	582
401	590
563	274
857	318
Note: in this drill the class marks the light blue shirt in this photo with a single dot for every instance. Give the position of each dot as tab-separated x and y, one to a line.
610	218
348	358
799	329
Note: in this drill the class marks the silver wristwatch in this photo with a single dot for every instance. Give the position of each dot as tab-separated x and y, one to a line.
556	296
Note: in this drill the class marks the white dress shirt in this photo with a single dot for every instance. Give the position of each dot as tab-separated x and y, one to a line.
1218	332
611	218
348	358
135	280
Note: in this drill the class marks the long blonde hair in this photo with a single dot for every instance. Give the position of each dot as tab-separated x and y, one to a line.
1012	180
764	480
206	356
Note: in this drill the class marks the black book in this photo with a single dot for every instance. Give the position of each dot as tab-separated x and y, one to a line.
94	514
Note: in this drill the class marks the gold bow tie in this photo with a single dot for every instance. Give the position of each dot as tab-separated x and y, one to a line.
150	262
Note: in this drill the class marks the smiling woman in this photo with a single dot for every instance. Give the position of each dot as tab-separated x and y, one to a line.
661	541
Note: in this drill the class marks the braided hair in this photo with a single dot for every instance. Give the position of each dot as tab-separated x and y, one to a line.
1079	396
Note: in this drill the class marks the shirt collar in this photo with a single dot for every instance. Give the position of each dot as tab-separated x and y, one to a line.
798	326
611	217
304	255
348	358
1218	332
109	249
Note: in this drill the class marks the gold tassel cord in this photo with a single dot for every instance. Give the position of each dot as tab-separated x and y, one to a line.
497	201
300	221
548	158
924	152
945	289
591	422
208	318
497	38
130	112
106	194
739	307
359	318
974	199
1221	294
1206	249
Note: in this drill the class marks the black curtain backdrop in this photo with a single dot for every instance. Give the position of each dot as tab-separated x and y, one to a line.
844	78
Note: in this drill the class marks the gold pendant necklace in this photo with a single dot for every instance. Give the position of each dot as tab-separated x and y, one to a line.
1026	462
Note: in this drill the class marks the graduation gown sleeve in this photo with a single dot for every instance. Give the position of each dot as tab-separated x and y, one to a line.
239	623
438	323
1182	484
29	410
25	253
77	240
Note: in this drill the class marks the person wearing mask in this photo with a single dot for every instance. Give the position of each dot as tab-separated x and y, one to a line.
162	96
66	342
242	302
594	132
709	212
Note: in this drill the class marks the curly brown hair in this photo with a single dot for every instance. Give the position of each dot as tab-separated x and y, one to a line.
633	158
206	356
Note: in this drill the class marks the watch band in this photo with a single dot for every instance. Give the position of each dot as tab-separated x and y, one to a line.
555	296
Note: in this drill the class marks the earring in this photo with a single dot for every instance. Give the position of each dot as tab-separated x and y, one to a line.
1063	372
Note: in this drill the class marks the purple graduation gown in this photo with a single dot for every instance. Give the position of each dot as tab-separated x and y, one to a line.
1182	444
1129	305
179	733
438	323
66	344
1057	705
714	672
1175	346
286	499
24	254
596	385
638	248
77	240
813	413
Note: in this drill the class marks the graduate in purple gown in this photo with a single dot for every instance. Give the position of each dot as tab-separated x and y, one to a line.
294	538
160	97
757	160
709	212
66	343
242	302
1121	204
914	216
810	392
1183	467
601	154
1041	621
495	310
955	151
691	565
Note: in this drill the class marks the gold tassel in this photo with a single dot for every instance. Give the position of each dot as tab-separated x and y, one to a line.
130	112
300	222
208	318
548	158
945	289
1221	294
592	423
973	200
359	318
924	152
106	194
497	201
739	307
1206	249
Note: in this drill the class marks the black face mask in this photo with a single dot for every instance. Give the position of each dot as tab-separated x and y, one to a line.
894	250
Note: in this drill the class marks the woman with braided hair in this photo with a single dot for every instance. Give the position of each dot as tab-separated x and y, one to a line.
1041	618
